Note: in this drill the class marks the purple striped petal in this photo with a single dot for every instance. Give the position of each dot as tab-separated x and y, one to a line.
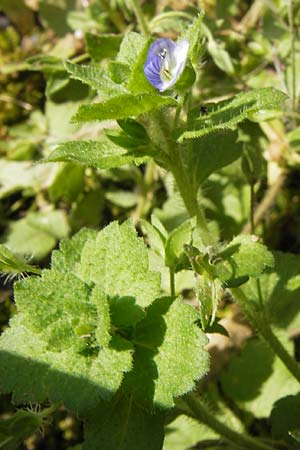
165	62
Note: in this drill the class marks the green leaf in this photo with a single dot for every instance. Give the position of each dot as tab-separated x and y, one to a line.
195	36
280	289
68	183
69	253
257	391
102	46
132	45
171	350
208	292
227	114
122	106
37	234
209	154
184	433
154	238
124	425
23	175
96	77
102	155
127	255
285	419
244	256
177	239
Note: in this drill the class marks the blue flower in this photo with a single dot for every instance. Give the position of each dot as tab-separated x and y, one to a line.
165	62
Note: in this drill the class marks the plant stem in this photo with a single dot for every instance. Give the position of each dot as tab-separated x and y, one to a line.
172	281
266	202
140	17
252	197
146	195
290	363
241	441
265	330
114	16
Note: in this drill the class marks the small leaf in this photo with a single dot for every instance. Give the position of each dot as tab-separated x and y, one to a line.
208	292
243	256
121	107
177	239
227	114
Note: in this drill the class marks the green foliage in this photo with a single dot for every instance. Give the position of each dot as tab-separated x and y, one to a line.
95	77
37	234
257	390
279	289
285	420
229	113
101	155
102	46
122	106
243	257
18	427
94	317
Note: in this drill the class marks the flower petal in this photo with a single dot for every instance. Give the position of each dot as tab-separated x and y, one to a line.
165	62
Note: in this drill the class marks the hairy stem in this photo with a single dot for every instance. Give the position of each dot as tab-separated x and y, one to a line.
140	16
241	441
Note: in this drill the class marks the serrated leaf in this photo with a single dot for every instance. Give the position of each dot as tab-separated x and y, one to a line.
243	257
96	77
117	251
101	155
119	72
227	114
122	106
194	35
170	349
131	46
124	425
103	45
280	289
69	253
